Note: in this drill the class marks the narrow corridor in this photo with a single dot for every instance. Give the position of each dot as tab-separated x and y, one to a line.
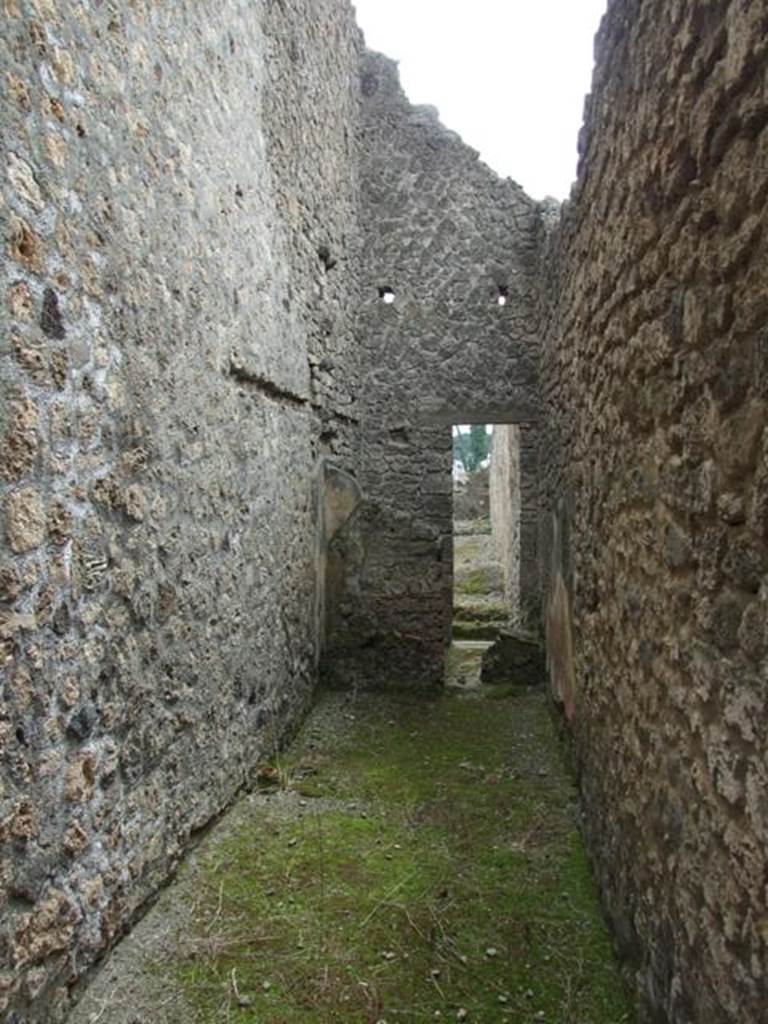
403	861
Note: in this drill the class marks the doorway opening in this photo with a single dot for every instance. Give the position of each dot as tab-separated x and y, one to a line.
486	542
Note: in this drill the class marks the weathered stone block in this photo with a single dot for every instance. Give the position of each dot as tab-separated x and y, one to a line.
25	520
514	658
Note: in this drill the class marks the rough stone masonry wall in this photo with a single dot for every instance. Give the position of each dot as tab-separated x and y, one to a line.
444	234
179	234
655	383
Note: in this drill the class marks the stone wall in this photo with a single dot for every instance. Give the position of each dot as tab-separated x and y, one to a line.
180	247
444	238
655	379
248	288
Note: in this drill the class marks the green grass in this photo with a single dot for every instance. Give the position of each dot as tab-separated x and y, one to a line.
468	630
431	833
477	619
482	611
475	581
464	527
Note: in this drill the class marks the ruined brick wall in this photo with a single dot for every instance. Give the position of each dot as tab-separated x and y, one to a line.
444	234
179	236
654	421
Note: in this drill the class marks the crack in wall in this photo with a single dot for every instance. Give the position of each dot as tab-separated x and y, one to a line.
264	385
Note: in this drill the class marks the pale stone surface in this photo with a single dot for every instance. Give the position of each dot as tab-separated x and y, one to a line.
506	509
25	516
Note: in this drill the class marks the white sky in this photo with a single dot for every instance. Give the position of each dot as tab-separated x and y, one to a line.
509	76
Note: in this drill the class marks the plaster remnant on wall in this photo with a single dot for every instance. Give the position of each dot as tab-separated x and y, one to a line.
341	496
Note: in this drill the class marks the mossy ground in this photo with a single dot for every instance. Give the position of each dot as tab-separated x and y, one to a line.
462	527
469	629
421	861
475	581
488	610
475	566
480	608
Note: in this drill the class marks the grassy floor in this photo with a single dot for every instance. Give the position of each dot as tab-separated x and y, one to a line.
422	863
482	580
486	610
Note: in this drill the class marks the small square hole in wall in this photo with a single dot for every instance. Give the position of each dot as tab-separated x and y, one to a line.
386	295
